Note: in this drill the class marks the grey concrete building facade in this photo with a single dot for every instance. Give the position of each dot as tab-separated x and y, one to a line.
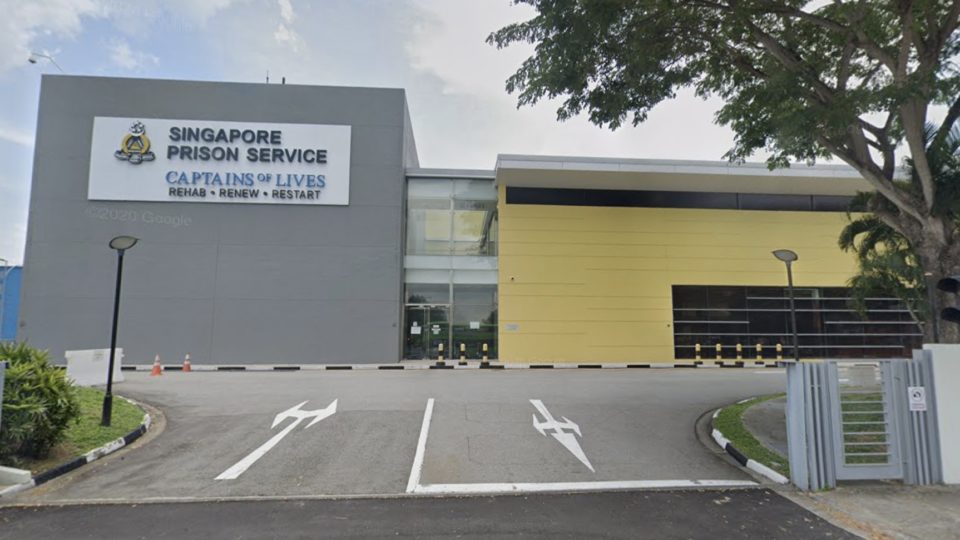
226	283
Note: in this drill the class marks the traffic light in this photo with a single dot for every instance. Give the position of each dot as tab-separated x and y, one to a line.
951	285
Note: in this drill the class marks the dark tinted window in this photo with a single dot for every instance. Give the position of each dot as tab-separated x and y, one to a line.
674	199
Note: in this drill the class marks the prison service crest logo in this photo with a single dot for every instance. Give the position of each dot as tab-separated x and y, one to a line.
135	146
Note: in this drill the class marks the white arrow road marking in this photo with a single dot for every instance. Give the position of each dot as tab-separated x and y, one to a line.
293	412
566	438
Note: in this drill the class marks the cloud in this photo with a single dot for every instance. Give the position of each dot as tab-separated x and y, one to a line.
123	56
14	197
25	20
16	136
284	34
448	41
286	11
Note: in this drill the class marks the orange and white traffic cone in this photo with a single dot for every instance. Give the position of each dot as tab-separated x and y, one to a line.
186	364
157	370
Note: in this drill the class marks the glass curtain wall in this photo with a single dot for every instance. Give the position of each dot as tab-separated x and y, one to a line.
450	269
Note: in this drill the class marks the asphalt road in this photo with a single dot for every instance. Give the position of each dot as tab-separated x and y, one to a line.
636	429
747	514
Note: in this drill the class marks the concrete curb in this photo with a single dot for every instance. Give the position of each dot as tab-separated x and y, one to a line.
80	461
743	460
468	365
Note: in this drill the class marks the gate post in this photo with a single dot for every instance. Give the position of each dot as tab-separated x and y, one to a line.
796	427
808	439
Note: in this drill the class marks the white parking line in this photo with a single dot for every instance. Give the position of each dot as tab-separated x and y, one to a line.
414	482
533	487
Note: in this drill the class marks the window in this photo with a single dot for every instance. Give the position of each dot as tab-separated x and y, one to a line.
473	222
428	227
428	293
451	291
475	319
451	217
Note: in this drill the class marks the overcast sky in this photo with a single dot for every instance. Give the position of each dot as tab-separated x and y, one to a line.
435	49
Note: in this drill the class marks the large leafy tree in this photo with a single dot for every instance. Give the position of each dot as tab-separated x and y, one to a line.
800	80
887	263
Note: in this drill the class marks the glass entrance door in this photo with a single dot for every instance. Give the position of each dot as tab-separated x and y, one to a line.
426	328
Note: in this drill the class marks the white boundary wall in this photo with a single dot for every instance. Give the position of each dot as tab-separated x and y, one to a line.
89	367
946	377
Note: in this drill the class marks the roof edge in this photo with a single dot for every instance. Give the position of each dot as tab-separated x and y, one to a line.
601	164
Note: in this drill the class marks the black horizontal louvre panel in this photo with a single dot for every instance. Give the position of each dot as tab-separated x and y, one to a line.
674	199
827	325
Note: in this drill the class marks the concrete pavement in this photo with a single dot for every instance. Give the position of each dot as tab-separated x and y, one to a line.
636	426
881	510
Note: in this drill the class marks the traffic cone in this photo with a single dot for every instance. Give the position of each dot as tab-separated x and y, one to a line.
186	364
157	370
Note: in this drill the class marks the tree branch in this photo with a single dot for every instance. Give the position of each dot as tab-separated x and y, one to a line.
912	115
875	177
950	23
953	113
870	47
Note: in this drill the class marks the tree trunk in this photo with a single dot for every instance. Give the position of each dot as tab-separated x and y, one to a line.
940	260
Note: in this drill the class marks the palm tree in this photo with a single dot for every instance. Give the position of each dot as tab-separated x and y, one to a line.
887	264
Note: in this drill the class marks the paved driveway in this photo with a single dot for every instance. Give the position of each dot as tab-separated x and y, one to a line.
437	431
742	514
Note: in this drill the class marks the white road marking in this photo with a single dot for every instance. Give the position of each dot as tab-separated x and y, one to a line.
566	438
481	488
294	412
414	482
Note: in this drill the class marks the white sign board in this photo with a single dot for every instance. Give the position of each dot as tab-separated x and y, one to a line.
917	398
152	159
89	367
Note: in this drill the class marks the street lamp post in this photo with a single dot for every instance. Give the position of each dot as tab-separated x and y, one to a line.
120	244
35	57
6	268
933	319
789	257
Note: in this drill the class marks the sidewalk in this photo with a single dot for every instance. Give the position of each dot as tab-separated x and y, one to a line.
876	510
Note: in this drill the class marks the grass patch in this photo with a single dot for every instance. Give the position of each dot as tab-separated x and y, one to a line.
730	423
87	433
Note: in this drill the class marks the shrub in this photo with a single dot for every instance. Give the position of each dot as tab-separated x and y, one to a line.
38	403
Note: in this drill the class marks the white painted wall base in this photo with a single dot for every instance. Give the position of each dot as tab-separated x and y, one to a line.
946	382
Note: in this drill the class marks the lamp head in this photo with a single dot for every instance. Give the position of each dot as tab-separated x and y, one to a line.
123	243
785	255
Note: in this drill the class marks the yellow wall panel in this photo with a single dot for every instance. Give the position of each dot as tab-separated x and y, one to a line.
593	284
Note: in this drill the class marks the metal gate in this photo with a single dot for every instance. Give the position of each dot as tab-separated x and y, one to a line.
864	424
850	420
